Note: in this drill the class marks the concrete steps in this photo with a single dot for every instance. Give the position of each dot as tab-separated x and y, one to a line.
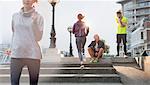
68	78
66	70
75	65
68	74
46	83
69	71
122	60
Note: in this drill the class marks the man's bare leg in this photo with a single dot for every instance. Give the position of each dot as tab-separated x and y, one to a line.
91	52
100	53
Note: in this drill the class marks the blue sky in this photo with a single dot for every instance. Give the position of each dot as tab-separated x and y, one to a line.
99	15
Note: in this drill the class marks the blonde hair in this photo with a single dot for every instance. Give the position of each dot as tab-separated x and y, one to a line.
96	35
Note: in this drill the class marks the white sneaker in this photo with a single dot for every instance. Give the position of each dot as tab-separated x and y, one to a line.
92	60
84	57
125	56
81	62
82	66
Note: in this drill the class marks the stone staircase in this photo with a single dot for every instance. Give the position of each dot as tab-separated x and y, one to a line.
68	71
120	61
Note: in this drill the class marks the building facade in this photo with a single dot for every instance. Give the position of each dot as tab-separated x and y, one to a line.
140	37
137	11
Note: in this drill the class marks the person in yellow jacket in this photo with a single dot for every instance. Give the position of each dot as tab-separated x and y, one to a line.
121	31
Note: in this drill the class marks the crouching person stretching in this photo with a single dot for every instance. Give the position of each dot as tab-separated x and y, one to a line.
96	49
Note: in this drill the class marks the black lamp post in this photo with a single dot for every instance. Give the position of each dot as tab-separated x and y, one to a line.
53	33
70	47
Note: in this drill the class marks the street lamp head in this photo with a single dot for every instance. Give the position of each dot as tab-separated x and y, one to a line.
69	29
53	2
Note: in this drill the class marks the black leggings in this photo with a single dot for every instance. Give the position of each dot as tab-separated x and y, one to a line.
121	37
17	65
118	48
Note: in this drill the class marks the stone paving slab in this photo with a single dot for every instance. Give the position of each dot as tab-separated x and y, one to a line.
133	76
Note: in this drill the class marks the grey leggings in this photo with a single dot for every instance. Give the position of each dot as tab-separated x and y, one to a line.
80	42
17	65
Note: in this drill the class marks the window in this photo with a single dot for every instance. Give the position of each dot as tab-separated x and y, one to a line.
142	35
148	36
142	3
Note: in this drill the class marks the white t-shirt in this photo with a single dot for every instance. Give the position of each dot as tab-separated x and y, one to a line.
96	47
26	34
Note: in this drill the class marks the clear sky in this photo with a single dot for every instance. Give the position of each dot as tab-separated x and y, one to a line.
99	15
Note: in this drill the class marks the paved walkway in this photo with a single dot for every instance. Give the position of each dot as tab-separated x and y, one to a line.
133	76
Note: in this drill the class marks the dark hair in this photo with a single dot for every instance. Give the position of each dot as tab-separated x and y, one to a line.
119	12
80	14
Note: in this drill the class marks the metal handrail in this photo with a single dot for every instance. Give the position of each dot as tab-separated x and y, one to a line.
144	53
